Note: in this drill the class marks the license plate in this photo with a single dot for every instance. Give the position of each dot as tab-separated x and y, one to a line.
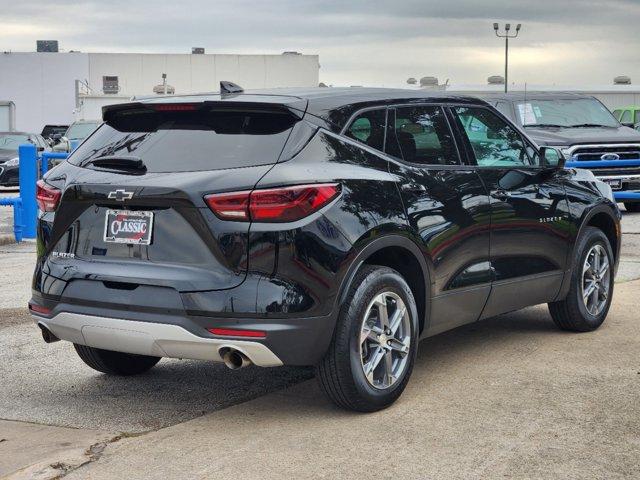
614	183
126	226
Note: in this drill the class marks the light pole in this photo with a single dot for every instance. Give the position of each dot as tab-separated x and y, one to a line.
506	36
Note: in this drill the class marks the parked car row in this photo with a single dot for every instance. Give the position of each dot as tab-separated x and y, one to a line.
9	161
76	132
57	138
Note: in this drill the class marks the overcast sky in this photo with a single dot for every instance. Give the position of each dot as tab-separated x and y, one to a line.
376	42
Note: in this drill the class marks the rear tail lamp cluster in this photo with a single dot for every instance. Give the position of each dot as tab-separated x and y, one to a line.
47	196
284	204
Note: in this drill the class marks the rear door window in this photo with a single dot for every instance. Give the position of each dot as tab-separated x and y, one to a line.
422	135
193	139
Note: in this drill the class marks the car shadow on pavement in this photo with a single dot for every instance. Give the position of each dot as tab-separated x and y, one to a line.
63	391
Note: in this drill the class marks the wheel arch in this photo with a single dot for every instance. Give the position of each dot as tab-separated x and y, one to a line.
604	218
403	255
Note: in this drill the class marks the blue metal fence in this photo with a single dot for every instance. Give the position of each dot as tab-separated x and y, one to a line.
25	207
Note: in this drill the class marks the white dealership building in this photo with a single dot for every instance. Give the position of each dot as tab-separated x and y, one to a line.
58	88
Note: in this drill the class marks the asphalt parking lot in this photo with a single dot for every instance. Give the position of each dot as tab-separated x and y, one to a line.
508	397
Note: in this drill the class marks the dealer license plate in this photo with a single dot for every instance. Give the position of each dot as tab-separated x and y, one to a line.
126	226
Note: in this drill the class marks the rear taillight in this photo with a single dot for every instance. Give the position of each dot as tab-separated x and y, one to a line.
283	204
47	196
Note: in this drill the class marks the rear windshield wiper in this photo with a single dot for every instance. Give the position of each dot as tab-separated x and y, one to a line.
117	163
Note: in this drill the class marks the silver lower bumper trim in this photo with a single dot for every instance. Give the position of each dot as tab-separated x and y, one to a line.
145	338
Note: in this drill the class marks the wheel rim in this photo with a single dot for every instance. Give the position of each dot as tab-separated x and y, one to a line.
385	340
596	279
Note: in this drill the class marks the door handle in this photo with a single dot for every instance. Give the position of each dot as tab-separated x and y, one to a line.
501	195
413	188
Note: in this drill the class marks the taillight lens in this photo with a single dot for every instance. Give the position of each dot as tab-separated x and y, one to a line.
284	204
47	196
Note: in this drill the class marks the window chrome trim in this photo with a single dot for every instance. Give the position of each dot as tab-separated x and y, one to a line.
389	158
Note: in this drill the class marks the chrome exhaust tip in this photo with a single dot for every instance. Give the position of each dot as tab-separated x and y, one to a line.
234	359
47	336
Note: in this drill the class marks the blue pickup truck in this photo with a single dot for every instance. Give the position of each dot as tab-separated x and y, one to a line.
585	131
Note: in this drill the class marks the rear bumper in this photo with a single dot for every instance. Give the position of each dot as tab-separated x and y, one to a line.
146	338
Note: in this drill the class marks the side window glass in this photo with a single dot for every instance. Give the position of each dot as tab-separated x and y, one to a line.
617	113
422	135
368	128
495	143
626	117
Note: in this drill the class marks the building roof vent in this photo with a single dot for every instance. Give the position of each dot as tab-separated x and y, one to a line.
197	50
428	81
291	53
47	46
622	80
411	81
160	89
495	80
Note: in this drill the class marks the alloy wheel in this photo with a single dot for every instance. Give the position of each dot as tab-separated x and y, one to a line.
596	280
385	340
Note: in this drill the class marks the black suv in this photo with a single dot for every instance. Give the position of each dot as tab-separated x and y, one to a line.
330	227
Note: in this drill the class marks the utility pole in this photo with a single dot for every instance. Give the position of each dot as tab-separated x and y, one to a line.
506	36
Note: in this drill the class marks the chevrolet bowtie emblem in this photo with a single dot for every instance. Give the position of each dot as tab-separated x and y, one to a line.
120	195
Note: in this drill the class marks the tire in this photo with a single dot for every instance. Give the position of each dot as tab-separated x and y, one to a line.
572	313
632	207
115	363
341	372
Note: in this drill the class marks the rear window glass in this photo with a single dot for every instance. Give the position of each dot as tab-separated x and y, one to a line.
184	141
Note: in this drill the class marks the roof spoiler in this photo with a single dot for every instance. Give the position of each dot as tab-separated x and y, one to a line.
296	109
229	87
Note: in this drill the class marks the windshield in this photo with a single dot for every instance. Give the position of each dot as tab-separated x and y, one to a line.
565	113
80	130
12	142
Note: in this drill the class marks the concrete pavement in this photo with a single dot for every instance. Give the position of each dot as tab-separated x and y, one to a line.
512	397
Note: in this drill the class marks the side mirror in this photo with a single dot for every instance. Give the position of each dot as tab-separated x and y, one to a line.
41	149
552	157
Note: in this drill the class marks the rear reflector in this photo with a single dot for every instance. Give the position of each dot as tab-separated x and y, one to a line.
230	332
47	196
39	309
283	204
